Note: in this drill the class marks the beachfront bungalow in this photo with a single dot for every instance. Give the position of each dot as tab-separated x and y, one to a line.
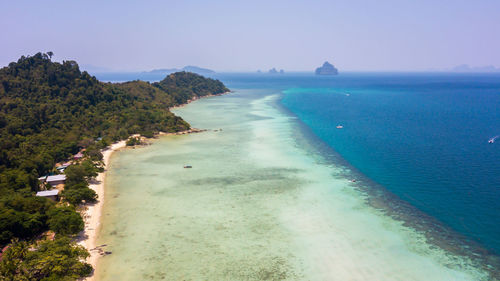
52	194
55	180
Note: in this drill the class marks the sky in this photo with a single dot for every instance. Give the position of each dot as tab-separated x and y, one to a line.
231	35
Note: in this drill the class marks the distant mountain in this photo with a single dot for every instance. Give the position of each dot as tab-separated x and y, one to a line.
163	71
326	69
198	70
467	68
189	68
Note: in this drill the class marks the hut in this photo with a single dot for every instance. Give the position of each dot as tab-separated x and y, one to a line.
52	194
55	180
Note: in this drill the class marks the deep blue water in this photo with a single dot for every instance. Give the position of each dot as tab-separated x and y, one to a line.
422	136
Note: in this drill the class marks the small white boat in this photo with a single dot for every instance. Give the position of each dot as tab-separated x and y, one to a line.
492	140
340	126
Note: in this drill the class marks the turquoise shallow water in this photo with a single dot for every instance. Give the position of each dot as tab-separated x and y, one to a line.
261	203
422	137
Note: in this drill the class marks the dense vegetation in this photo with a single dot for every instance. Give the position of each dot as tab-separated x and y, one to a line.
50	111
133	141
183	86
45	260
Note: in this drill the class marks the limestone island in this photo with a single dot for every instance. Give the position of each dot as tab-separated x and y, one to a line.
274	71
327	69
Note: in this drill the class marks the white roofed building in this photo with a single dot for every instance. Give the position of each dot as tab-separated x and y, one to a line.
51	194
56	179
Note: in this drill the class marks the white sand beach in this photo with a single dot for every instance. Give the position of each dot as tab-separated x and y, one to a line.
93	212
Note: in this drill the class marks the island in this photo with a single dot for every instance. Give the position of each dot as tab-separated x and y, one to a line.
58	126
327	69
189	68
275	71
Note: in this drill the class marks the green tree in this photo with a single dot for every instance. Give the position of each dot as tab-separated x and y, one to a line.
81	173
75	196
12	263
133	141
60	259
22	217
65	221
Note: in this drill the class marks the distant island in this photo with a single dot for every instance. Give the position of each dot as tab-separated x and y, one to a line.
274	71
327	69
189	68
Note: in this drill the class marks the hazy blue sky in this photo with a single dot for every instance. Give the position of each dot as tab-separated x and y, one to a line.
251	35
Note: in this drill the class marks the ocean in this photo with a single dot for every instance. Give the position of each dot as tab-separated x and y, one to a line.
367	176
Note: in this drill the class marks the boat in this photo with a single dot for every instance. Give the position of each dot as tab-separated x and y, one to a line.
188	166
492	140
340	126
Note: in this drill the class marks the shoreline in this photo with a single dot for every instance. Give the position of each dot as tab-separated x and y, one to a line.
265	203
197	98
92	212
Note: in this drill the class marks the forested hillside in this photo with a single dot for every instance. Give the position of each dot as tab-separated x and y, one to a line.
50	111
182	86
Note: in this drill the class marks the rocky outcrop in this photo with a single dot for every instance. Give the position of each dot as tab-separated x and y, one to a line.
275	71
327	69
